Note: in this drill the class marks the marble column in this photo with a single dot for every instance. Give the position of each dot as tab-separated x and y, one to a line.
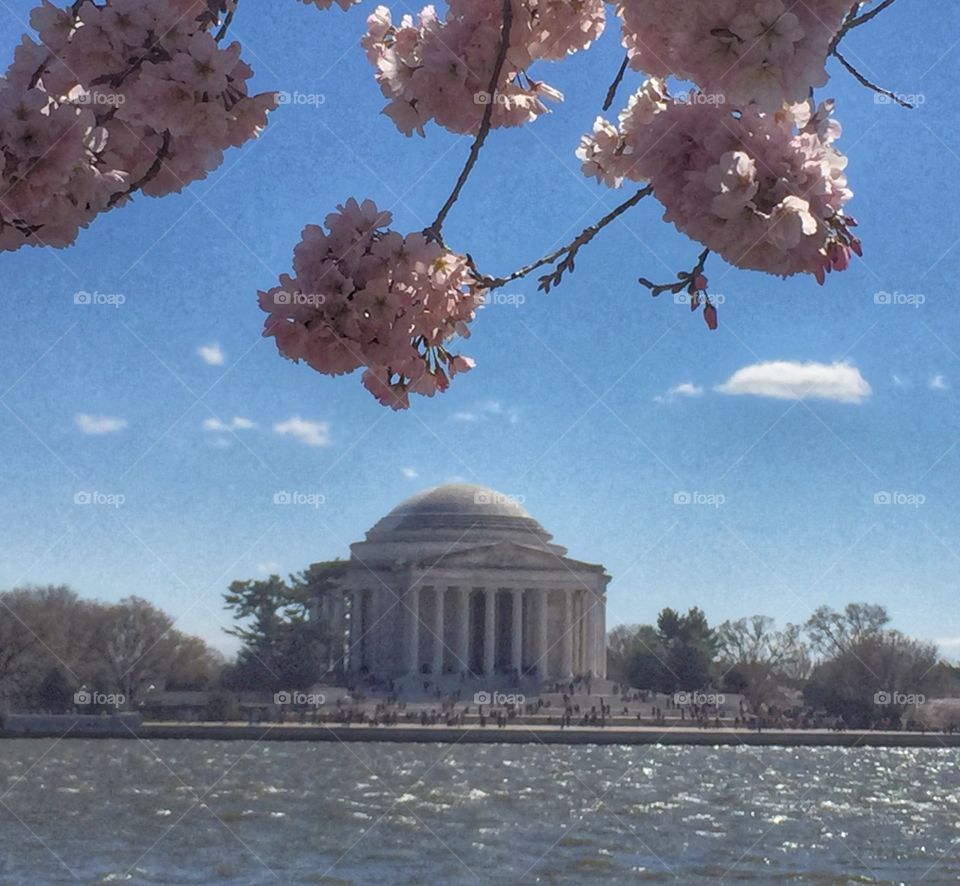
602	641
461	646
516	640
489	630
412	640
356	630
566	636
438	639
540	652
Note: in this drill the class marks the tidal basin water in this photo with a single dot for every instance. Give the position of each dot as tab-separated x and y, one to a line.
198	812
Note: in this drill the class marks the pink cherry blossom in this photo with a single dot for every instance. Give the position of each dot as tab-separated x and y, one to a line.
365	295
129	95
764	52
765	191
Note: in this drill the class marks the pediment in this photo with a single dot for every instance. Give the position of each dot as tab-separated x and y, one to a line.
508	555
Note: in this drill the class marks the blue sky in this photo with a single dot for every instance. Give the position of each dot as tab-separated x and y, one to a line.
597	404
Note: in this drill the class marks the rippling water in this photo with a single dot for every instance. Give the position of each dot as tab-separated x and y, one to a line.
183	812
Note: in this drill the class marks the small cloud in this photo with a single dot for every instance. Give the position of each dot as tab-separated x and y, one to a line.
685	389
939	383
98	425
212	355
237	423
410	473
899	382
310	433
787	380
270	568
489	409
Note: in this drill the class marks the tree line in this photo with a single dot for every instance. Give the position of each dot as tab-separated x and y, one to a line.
849	663
59	652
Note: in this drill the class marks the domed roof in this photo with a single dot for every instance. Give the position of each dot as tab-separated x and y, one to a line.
460	509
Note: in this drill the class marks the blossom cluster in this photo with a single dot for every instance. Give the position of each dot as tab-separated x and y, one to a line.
365	295
765	191
441	69
763	52
111	99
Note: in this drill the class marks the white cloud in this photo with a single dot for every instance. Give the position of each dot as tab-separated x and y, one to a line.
270	568
899	382
787	380
237	423
489	409
685	389
938	383
410	473
98	425
310	433
212	355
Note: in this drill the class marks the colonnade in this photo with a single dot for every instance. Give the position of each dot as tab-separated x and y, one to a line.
553	633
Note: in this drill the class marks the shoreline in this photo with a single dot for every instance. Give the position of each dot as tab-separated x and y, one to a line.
512	734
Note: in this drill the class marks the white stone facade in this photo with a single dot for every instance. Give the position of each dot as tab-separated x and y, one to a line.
462	580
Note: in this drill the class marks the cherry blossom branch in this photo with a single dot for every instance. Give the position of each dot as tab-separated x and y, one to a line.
855	20
566	253
684	278
863	81
435	229
612	91
694	282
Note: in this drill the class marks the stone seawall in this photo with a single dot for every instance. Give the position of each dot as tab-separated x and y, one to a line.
521	735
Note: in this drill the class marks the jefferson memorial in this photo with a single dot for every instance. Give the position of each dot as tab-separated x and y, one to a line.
460	579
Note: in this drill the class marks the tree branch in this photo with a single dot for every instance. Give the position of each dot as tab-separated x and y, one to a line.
612	91
566	253
869	84
436	228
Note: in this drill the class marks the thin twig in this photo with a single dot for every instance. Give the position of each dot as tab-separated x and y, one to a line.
228	19
612	91
683	281
437	226
870	85
568	252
